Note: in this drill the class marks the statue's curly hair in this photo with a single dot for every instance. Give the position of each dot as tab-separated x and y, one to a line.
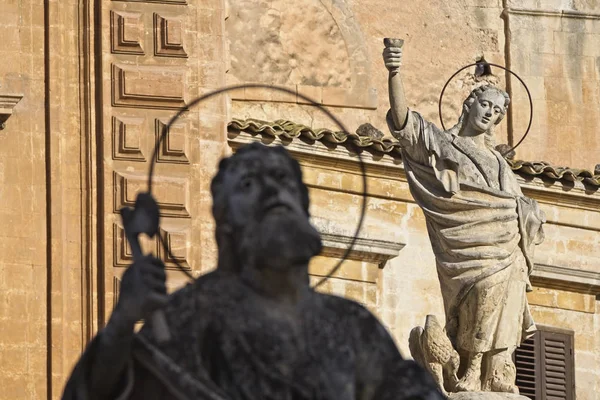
469	101
475	93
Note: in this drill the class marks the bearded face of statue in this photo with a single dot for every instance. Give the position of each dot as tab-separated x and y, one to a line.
266	211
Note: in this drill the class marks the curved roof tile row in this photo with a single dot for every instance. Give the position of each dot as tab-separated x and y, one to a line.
289	130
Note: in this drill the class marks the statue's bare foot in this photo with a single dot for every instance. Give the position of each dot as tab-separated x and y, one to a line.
502	373
471	381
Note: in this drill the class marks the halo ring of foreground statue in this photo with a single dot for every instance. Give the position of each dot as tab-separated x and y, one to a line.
505	69
227	89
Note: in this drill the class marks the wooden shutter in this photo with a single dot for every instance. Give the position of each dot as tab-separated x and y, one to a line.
545	365
528	371
558	366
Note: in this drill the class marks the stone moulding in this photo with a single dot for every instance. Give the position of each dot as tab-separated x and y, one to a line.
370	250
554	13
7	104
563	278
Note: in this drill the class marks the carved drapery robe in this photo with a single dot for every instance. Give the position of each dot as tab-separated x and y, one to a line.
482	230
221	345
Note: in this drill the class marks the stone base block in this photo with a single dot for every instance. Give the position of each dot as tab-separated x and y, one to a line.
486	396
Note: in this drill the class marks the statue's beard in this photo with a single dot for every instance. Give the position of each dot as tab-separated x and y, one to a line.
281	239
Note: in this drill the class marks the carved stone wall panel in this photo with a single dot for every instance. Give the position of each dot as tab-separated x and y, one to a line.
168	36
126	32
175	147
128	138
176	241
140	94
123	256
171	193
148	86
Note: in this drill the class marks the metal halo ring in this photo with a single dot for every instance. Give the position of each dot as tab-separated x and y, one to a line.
226	89
507	70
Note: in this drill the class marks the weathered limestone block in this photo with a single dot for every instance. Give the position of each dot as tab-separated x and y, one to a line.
486	396
281	51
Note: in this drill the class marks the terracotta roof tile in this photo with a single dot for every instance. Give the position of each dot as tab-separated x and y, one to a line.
290	130
565	174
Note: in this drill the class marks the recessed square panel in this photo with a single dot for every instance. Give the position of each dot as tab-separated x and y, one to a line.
174	147
126	32
128	138
168	36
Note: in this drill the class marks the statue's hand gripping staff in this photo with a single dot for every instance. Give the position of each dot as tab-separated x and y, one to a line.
143	218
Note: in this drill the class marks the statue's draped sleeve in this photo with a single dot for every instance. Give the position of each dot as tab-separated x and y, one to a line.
152	372
409	135
531	219
146	377
423	144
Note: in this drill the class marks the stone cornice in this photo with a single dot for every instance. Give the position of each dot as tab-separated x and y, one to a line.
7	104
337	157
370	250
564	278
553	13
575	197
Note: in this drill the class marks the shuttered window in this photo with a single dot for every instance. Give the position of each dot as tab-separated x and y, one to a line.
546	366
527	371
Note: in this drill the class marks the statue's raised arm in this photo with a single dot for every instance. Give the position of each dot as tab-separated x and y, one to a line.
408	127
392	57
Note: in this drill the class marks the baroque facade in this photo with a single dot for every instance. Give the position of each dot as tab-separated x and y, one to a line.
86	88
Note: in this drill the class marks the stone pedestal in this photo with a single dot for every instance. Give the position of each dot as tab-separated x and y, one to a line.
486	396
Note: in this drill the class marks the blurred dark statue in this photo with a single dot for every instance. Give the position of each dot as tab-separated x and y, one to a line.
253	328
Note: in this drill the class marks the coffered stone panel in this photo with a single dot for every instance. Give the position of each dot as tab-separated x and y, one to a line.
168	36
176	240
171	193
174	147
126	32
123	257
148	87
128	138
183	56
177	243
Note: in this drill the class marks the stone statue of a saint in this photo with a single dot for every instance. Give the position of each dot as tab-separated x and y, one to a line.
482	230
253	328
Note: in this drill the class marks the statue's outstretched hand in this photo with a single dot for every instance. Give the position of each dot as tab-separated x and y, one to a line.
143	291
392	58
